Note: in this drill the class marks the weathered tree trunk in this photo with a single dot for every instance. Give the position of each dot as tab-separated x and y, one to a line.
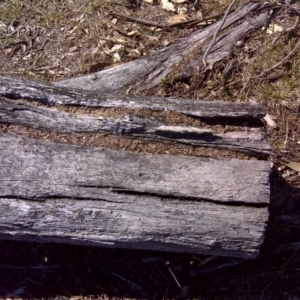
147	72
75	193
249	139
83	195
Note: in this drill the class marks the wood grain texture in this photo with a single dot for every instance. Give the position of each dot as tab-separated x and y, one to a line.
138	222
224	46
147	72
96	196
79	171
50	94
147	128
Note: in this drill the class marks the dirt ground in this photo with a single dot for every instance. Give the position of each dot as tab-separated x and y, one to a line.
53	40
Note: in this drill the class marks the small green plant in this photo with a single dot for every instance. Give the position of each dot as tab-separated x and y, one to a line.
168	80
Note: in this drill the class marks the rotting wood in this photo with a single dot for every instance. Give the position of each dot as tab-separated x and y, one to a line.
147	72
249	140
64	168
50	94
124	143
96	196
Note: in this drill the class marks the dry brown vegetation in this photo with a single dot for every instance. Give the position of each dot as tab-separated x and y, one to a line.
53	40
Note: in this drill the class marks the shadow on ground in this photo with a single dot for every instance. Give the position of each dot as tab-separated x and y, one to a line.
29	270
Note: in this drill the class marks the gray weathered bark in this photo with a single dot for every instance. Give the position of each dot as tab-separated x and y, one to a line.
97	196
50	94
147	72
249	140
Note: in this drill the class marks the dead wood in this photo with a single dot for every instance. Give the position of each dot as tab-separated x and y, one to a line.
50	94
147	72
244	139
224	45
96	196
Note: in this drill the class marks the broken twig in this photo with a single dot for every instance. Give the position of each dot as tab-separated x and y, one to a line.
141	21
213	41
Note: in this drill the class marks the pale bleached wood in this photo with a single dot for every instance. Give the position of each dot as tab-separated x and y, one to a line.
49	94
138	222
249	140
147	72
79	171
96	196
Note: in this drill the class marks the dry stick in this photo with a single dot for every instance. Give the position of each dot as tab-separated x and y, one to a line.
119	30
188	22
126	280
216	33
175	278
282	61
116	3
287	134
196	21
138	20
116	28
272	68
117	42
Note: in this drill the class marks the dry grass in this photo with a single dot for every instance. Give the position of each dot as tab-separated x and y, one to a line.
52	40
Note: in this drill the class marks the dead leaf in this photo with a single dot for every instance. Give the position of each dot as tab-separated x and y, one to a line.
73	49
80	18
121	41
116	57
199	15
294	166
116	48
177	19
73	29
178	1
114	21
132	33
95	51
273	28
270	121
167	5
135	51
149	1
3	26
86	31
205	23
181	10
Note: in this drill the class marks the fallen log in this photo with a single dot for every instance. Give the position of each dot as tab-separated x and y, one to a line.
46	93
147	72
249	139
94	196
67	190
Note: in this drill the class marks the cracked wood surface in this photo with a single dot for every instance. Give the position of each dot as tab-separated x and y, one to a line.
50	94
96	196
86	195
79	170
147	72
250	140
